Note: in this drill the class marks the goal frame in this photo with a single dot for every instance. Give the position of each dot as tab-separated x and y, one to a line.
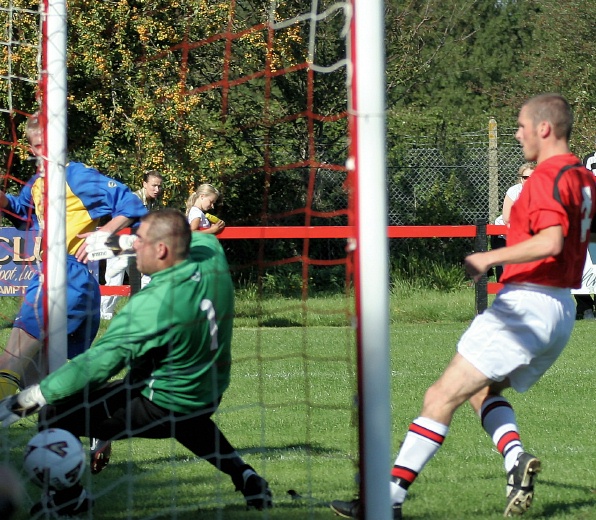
367	166
53	88
368	160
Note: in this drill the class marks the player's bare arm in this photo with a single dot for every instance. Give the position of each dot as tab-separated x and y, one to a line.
547	242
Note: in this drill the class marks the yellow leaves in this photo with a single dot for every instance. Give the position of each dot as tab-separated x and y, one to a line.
101	63
143	33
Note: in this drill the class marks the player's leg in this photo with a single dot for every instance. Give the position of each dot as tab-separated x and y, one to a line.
117	412
530	344
199	434
82	415
24	343
498	420
460	381
83	300
19	363
585	307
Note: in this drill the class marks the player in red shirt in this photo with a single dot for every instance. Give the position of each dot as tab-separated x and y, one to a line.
514	342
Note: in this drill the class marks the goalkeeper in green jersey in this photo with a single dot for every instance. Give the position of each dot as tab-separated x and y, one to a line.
174	338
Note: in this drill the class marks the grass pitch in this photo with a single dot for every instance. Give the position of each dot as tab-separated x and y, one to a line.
289	412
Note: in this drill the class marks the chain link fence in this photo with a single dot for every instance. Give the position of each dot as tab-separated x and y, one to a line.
459	181
448	180
456	179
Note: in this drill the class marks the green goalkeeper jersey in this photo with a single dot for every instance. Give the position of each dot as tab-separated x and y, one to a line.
174	337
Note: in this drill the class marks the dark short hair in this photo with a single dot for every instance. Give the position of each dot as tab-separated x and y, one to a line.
171	227
152	173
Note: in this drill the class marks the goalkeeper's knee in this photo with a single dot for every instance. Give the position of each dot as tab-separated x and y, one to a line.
10	383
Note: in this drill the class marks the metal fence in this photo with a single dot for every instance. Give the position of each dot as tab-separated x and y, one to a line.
447	180
457	182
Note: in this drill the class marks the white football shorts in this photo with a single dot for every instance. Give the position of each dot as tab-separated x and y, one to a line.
521	335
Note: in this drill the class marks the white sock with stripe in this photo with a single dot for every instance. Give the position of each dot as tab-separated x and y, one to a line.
498	420
422	441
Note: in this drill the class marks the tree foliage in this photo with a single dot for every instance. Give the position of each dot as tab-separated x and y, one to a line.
138	76
460	62
194	89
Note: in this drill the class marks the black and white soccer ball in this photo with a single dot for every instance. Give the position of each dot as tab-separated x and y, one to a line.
55	459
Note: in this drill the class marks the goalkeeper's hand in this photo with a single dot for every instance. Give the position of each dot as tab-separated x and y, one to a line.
20	405
102	245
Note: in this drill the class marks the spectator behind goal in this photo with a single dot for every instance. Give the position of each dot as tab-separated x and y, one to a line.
197	207
523	174
150	194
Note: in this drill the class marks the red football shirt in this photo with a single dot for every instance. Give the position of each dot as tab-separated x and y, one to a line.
560	192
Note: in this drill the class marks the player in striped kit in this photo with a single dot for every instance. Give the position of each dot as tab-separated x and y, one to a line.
514	342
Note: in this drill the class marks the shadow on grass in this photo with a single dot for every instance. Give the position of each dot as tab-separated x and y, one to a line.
563	509
569	508
552	483
151	502
281	322
271	451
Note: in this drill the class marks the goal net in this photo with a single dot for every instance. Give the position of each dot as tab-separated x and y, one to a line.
19	75
262	100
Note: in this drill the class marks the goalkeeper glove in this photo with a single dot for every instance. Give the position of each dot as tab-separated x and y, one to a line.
20	405
102	245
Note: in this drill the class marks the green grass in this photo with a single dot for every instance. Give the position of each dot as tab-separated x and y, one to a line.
289	412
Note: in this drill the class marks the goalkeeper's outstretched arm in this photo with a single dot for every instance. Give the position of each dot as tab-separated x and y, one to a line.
26	402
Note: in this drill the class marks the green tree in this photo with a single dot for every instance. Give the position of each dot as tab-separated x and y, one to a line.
561	59
451	62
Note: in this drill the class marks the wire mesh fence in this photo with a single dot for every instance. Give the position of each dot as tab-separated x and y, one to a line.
451	179
447	180
459	181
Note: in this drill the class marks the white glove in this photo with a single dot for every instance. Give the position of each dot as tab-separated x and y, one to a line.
125	243
96	246
102	245
20	405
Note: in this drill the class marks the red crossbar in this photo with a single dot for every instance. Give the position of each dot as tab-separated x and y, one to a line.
114	290
348	232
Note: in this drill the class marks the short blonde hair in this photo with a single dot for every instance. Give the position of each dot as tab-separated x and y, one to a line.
526	166
33	125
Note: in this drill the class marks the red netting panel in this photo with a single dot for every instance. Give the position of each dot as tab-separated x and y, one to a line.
272	83
19	52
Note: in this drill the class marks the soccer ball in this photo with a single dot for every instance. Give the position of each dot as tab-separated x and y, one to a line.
55	459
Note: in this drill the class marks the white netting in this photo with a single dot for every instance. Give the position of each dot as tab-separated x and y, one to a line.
279	77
